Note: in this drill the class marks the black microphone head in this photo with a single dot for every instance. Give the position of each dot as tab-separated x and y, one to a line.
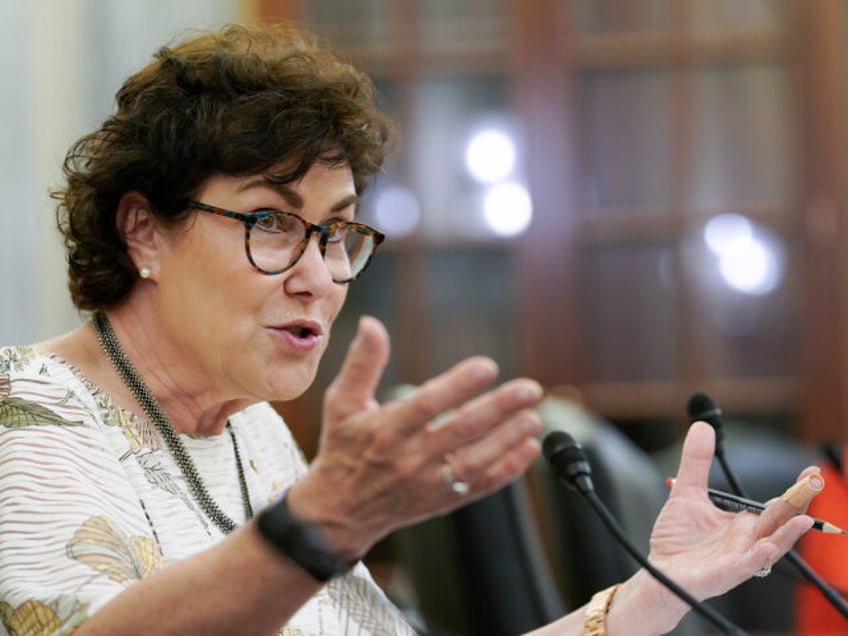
702	407
567	460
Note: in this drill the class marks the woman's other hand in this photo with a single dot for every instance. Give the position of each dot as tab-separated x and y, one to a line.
709	551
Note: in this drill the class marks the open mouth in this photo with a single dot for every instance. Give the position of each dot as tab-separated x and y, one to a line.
301	331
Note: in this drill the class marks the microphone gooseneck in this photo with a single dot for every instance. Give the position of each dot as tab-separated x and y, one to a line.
702	407
568	463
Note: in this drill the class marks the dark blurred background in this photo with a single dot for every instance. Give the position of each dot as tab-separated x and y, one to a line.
659	209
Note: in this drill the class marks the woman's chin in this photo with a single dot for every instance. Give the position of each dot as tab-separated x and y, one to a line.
289	387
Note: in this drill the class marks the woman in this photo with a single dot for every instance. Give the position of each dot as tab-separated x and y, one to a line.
146	484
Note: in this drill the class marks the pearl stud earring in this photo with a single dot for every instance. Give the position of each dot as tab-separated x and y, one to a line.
144	272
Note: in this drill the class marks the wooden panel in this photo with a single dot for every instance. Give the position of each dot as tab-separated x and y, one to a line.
546	259
819	66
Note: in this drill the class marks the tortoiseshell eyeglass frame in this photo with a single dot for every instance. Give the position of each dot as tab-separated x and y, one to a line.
323	232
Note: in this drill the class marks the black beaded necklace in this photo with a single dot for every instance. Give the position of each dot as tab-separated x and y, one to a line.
110	345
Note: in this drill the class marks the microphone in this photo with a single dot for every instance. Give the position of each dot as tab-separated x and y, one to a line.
569	464
702	407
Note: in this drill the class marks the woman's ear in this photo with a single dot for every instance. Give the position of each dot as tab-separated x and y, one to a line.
138	227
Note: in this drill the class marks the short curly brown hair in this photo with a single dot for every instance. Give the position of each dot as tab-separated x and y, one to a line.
237	101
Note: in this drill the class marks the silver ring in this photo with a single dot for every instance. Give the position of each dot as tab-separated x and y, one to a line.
764	572
458	487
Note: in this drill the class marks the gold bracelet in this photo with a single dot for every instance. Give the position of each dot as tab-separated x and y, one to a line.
595	620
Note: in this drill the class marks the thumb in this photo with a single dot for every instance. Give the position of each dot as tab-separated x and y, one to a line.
355	386
696	457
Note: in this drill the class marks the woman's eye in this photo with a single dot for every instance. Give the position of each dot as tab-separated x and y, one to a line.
278	222
266	223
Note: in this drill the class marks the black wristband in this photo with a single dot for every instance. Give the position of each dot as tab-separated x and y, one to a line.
299	541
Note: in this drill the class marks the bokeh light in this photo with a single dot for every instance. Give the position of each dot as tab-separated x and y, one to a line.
750	258
507	208
396	211
490	155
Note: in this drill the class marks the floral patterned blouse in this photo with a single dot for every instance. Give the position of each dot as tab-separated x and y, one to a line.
91	501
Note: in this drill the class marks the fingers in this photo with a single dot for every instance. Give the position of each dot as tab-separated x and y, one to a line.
367	356
767	551
487	441
449	390
501	456
356	384
801	493
792	502
476	418
398	450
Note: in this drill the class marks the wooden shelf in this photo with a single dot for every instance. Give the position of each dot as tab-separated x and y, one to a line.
634	400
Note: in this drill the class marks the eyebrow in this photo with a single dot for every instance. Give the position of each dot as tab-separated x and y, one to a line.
293	198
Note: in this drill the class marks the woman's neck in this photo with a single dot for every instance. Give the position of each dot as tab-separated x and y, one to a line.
190	403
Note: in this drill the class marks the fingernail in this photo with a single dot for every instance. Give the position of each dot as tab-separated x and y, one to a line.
484	369
360	326
528	394
802	492
530	424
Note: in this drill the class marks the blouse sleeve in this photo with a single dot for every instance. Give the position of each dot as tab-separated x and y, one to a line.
72	535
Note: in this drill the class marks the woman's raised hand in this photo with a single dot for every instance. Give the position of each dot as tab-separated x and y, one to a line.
383	466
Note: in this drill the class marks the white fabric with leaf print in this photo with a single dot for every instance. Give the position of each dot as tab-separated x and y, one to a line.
91	502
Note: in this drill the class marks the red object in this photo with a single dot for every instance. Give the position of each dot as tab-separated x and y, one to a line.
827	555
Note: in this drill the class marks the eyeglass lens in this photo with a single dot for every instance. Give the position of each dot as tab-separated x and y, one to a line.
277	240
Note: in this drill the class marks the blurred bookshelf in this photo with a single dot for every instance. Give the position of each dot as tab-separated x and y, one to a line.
638	122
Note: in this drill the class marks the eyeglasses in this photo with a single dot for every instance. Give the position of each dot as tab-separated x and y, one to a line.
275	240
